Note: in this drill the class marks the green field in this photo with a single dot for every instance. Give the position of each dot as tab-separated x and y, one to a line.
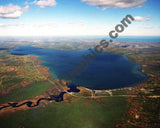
22	93
80	113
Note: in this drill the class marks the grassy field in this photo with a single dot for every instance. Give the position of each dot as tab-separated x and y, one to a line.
19	71
22	93
79	113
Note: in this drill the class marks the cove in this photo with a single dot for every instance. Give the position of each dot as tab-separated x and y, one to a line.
107	71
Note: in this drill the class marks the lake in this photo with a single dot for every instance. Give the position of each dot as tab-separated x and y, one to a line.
107	71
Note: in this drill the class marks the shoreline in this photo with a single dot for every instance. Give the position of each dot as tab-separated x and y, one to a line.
129	87
127	57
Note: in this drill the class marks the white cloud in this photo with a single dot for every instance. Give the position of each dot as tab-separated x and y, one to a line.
139	18
26	8
12	11
80	22
11	25
49	24
148	27
115	3
45	3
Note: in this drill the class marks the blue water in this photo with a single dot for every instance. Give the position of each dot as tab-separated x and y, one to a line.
107	71
139	38
132	38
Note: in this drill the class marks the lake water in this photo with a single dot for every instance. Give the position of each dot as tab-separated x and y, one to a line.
107	71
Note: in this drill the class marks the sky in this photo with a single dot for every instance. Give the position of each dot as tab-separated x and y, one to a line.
77	17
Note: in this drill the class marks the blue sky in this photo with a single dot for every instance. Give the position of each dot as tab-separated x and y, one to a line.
77	17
